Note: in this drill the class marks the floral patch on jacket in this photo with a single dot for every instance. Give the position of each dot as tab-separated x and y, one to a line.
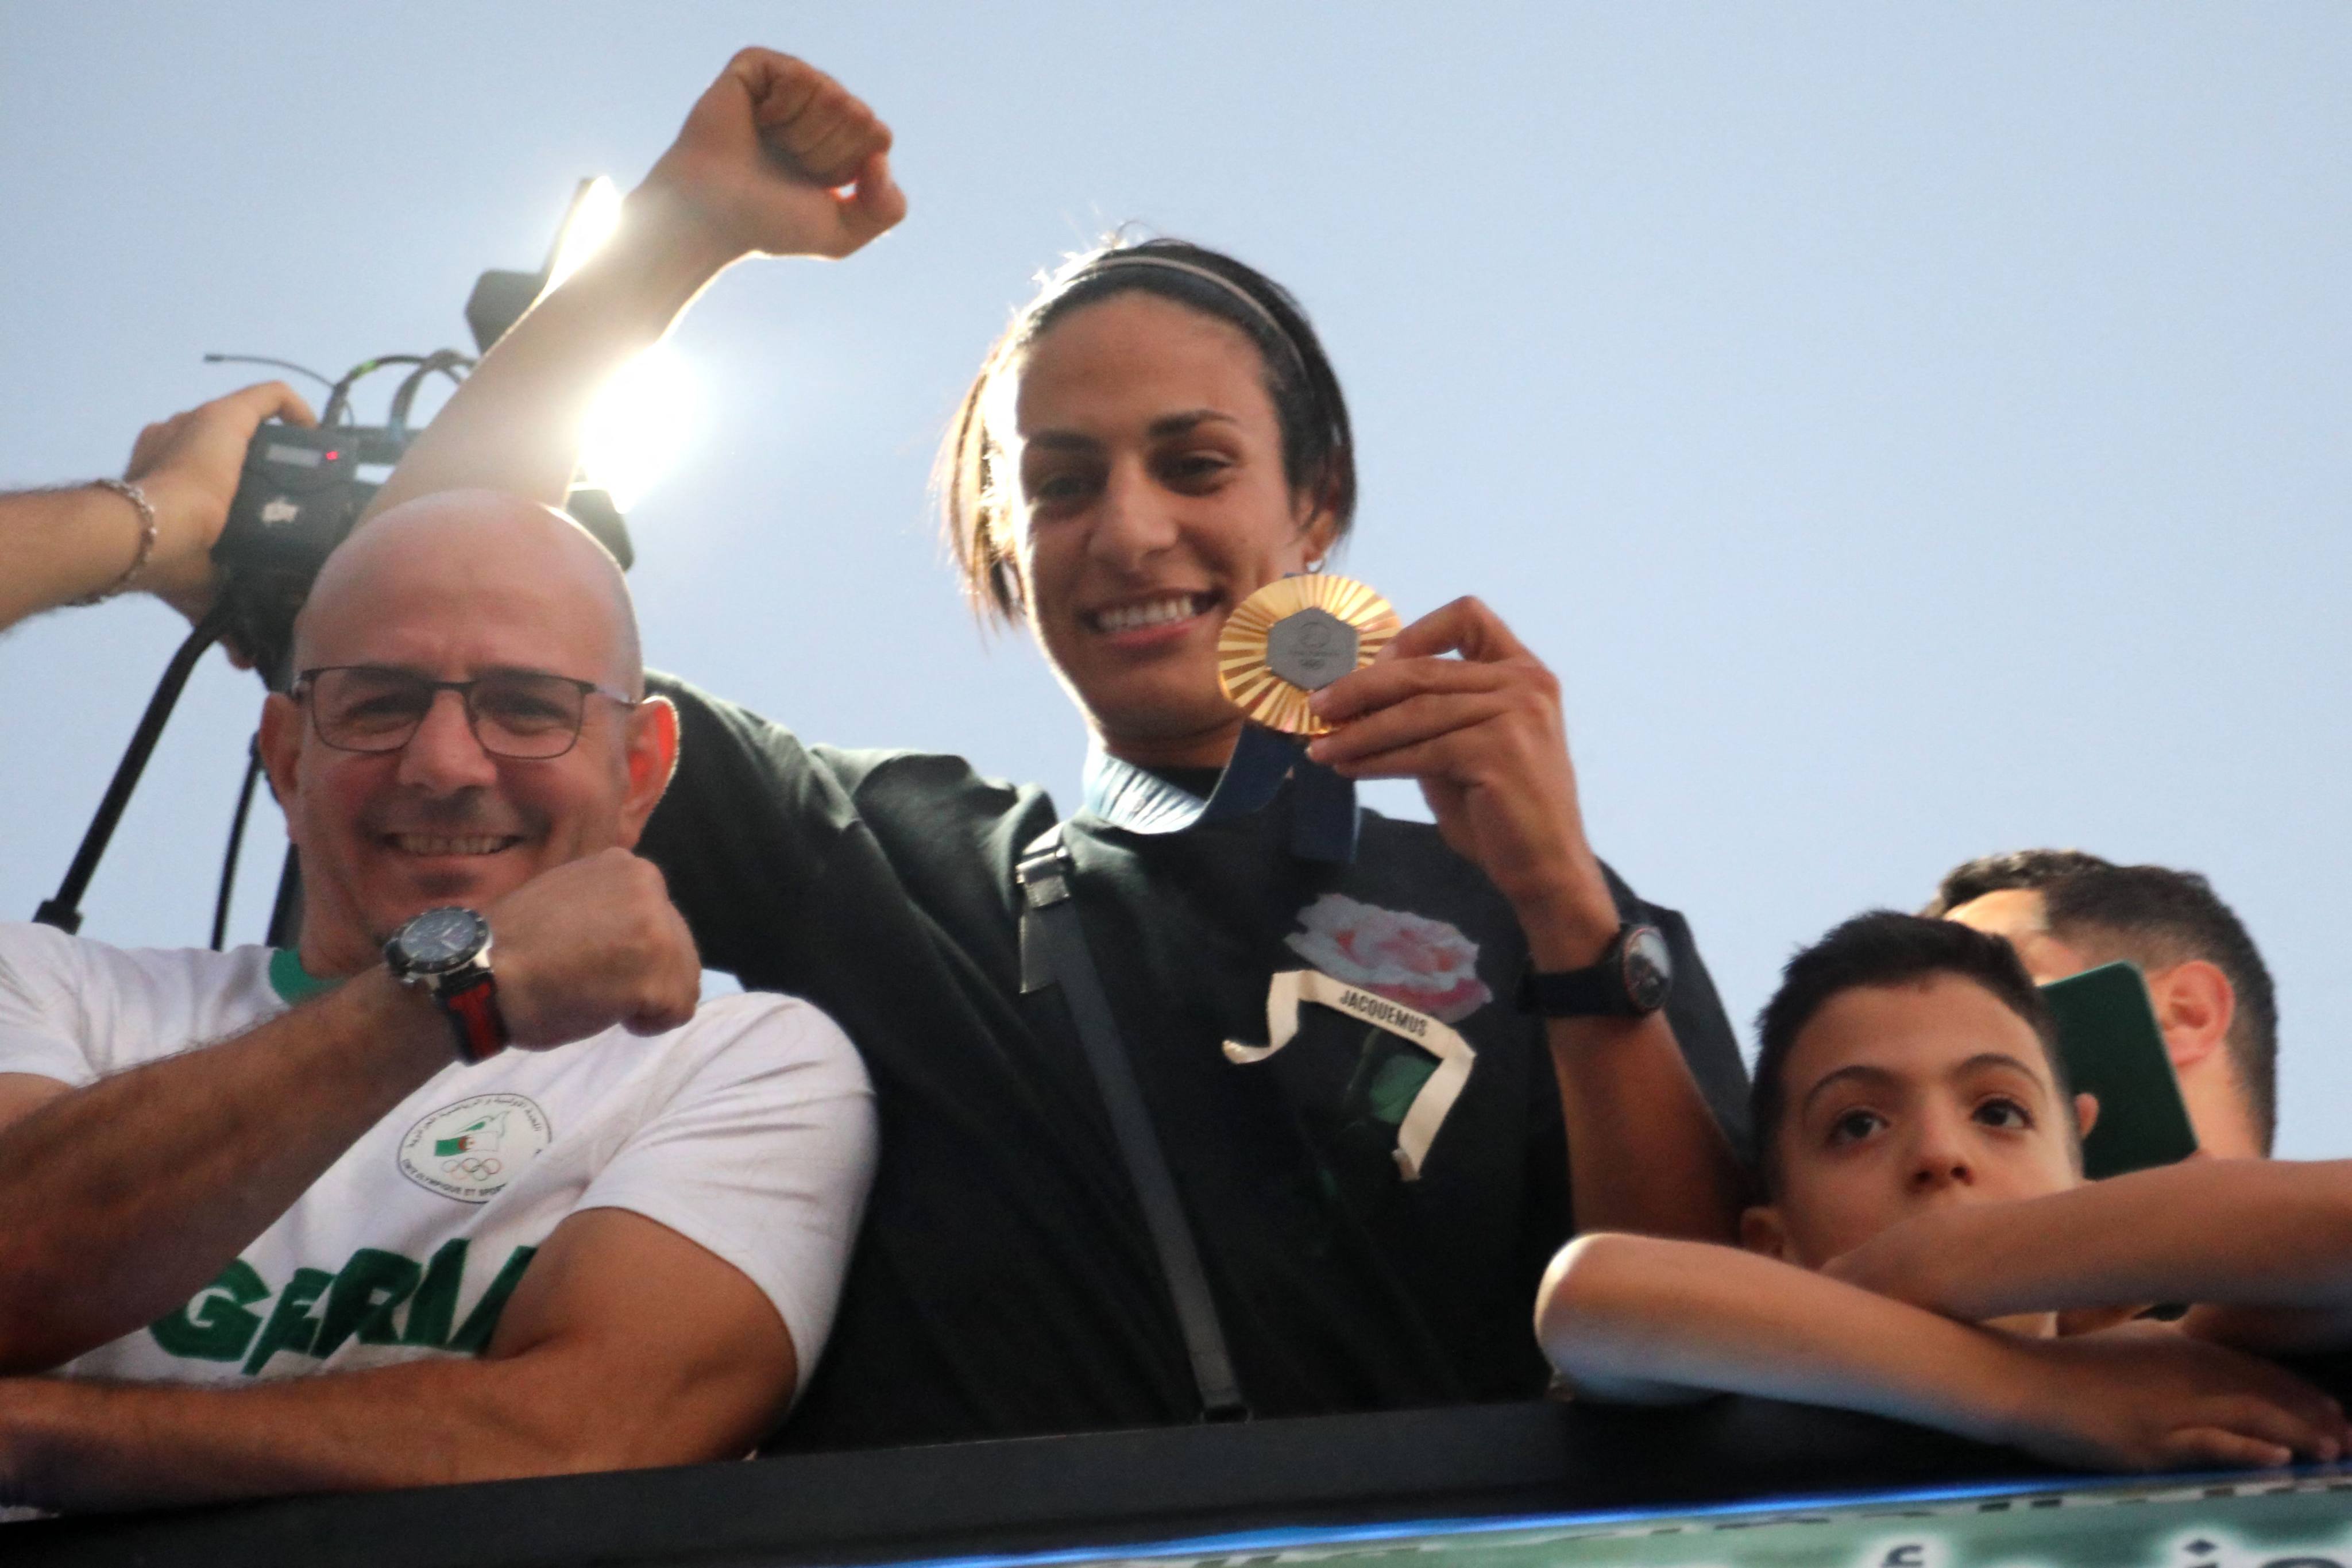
1422	962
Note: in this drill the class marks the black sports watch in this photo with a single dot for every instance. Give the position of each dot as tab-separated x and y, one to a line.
446	953
1633	979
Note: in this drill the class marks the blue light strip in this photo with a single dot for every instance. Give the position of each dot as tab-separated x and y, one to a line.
1286	1537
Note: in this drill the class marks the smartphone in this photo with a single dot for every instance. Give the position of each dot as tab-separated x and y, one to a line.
2108	1035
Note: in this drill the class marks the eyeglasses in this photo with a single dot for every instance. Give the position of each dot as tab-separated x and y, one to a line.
520	714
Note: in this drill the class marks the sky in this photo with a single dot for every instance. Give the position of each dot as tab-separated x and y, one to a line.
1908	432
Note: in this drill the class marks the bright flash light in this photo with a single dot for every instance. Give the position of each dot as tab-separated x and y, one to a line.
596	213
637	425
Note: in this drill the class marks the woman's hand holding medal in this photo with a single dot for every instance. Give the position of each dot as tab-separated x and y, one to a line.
1484	735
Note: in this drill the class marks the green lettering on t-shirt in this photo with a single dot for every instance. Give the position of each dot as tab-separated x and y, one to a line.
214	1324
435	1306
290	1327
483	1321
370	1286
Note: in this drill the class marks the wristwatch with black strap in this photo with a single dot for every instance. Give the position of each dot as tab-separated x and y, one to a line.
446	953
1633	979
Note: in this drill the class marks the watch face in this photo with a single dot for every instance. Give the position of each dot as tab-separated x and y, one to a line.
1649	968
440	939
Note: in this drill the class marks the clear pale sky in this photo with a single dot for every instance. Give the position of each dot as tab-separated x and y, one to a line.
1909	432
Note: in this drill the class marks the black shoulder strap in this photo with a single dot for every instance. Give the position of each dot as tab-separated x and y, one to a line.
1053	952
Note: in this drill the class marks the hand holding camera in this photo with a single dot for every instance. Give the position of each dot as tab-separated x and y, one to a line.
190	466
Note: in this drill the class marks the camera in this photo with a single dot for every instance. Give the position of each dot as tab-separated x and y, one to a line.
301	491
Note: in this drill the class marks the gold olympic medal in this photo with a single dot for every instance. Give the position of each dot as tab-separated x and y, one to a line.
1295	637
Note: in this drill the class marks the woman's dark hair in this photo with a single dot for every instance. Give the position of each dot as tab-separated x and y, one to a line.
1883	948
1318	455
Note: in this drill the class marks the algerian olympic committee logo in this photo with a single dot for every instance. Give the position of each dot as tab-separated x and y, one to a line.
471	1150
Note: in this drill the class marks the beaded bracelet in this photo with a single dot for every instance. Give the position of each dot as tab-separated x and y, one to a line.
137	497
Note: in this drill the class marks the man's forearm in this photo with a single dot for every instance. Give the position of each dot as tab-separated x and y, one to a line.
1645	1153
124	1197
625	1345
74	1446
515	423
62	545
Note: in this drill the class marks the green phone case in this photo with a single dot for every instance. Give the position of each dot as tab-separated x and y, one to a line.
2108	1035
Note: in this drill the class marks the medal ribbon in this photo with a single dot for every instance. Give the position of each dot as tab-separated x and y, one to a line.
1455	1056
1322	803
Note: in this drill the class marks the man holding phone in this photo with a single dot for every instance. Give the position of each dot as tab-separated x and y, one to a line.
2065	911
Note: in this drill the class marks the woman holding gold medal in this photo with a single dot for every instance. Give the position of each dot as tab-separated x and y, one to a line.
1221	1095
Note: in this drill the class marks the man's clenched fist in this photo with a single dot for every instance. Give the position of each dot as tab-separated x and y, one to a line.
779	158
588	944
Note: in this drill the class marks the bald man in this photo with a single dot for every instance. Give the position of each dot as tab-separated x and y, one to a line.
464	1185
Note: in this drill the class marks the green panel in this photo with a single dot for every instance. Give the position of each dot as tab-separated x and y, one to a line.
292	981
2264	1522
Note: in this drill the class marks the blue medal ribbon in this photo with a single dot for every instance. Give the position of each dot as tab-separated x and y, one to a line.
1323	817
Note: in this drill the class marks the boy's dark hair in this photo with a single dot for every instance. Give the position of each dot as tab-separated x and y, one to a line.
1883	948
2157	917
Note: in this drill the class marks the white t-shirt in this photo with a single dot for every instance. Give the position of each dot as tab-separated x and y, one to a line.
750	1132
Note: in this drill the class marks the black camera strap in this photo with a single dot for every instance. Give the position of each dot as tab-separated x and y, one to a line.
1053	952
64	911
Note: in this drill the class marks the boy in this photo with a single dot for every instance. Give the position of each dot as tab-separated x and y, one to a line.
1926	1220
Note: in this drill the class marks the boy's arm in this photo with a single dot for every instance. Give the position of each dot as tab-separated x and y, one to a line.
2264	1246
760	168
1637	1317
